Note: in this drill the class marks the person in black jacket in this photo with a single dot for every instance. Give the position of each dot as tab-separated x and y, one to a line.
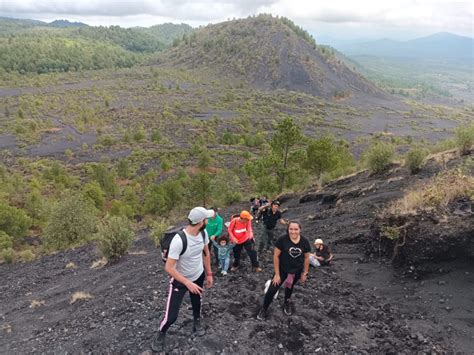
291	263
271	215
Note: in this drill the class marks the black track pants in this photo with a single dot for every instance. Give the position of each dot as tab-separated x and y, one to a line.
175	296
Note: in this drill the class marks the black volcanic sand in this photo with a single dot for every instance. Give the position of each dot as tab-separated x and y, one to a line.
358	305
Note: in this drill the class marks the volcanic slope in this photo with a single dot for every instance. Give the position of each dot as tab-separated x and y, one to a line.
358	305
269	53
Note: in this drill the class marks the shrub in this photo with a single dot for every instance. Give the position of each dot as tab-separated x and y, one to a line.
139	135
201	188
164	197
414	159
327	155
379	157
95	194
465	138
156	136
157	229
8	255
106	141
390	232
114	237
6	242
119	208
26	255
231	197
73	220
123	169
229	138
166	164
204	160
254	140
105	178
13	221
34	205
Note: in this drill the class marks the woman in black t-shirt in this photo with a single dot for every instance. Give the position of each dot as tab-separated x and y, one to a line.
291	263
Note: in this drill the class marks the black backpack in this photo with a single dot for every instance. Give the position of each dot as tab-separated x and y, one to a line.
165	242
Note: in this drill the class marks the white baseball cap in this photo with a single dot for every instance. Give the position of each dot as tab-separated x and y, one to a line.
318	241
199	214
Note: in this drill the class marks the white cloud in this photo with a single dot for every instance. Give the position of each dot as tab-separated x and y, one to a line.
402	15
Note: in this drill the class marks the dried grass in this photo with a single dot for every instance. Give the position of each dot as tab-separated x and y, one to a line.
7	328
138	252
80	296
36	303
99	263
71	265
438	193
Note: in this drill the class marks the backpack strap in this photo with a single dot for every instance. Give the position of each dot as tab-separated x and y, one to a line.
203	235
184	239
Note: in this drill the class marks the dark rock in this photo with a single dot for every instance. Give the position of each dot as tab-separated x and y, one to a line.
329	198
311	197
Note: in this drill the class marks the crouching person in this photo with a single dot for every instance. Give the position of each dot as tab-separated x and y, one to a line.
322	256
187	258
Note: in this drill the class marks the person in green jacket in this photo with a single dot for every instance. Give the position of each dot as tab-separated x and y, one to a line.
214	229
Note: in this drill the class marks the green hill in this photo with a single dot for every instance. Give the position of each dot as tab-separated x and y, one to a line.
269	53
39	47
168	32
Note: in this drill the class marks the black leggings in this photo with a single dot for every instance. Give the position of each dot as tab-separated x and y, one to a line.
272	290
266	240
175	297
249	246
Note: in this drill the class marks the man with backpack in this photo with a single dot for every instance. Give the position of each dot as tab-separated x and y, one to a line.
187	256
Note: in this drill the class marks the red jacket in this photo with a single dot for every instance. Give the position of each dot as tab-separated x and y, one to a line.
240	231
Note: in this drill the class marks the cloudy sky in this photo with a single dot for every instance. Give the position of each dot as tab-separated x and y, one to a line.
343	19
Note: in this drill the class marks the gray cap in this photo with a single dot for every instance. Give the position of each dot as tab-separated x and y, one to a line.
199	214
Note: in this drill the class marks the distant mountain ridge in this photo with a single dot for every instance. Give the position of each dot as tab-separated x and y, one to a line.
436	46
66	23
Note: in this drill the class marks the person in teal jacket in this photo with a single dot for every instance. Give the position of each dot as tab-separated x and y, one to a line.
224	248
214	229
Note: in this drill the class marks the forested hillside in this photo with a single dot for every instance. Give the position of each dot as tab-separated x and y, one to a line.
28	46
43	54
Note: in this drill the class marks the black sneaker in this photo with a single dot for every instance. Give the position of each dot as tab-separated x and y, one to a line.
287	308
158	344
198	329
262	314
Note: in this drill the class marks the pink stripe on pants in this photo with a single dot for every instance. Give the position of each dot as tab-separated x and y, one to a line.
168	302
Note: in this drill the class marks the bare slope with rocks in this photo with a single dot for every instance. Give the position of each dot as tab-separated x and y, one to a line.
361	304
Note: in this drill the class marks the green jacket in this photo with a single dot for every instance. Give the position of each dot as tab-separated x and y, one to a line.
214	226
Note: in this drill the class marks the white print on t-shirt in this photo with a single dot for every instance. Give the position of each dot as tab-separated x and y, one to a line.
295	252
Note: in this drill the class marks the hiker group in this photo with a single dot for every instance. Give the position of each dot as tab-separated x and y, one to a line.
187	257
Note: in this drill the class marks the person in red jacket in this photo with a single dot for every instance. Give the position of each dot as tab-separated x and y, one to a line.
240	232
